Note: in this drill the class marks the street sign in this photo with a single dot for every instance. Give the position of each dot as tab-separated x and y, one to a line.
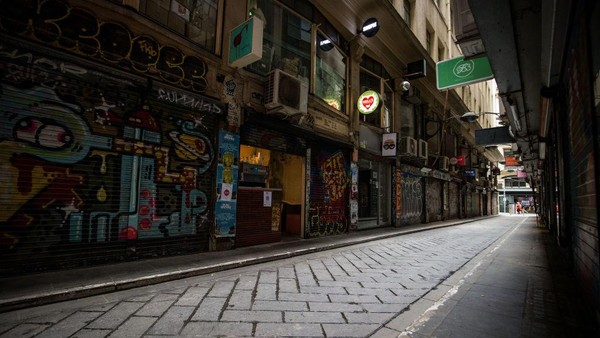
458	72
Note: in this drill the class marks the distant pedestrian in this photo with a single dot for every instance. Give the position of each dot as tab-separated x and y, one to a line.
519	208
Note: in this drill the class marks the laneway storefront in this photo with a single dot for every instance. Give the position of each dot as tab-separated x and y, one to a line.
375	178
309	178
437	196
374	192
101	164
272	186
410	197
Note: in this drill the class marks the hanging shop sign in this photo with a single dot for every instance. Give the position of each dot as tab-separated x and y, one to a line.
469	172
457	161
389	144
511	161
245	43
457	72
368	102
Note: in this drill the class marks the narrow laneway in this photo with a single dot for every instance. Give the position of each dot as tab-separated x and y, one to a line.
352	291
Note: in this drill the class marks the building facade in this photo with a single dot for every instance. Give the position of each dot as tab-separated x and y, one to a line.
136	128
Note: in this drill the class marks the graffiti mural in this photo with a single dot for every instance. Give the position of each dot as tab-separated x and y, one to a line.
411	192
89	157
329	194
55	22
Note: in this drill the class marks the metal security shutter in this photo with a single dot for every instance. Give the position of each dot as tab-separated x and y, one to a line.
329	191
454	199
412	199
99	166
434	199
264	137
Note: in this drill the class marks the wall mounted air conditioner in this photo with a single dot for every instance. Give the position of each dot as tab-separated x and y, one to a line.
443	163
422	149
285	93
408	146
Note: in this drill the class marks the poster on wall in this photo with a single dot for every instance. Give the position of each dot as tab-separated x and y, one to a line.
227	178
353	194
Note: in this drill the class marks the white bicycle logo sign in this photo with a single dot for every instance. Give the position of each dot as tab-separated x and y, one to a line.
463	69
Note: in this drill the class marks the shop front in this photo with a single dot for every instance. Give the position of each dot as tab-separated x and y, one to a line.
271	198
410	197
101	164
374	181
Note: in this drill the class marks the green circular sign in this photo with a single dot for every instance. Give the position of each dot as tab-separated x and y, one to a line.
368	102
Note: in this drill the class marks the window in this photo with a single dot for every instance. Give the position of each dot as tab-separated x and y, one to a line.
287	42
330	77
194	19
407	12
428	41
407	120
372	77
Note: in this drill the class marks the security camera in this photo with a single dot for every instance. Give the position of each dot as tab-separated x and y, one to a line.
405	86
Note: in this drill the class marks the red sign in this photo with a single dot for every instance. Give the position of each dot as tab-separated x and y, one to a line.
460	160
511	161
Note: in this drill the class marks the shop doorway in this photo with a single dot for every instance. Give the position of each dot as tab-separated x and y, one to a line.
280	171
374	194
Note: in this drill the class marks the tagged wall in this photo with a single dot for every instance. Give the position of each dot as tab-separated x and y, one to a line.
98	166
411	192
329	193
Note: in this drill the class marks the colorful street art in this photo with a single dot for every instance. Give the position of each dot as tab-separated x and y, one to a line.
55	22
89	157
330	182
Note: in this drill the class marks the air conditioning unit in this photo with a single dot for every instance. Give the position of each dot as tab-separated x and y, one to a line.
408	146
443	163
422	149
285	93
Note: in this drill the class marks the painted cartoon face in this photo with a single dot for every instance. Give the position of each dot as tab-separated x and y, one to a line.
42	134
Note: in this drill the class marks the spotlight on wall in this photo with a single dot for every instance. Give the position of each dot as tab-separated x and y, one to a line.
370	27
405	86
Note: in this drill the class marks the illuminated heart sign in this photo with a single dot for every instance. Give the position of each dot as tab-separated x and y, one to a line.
368	102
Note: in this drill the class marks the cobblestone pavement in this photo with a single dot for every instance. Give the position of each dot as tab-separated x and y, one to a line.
348	292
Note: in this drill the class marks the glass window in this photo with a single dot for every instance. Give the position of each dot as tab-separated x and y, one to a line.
330	79
407	120
407	12
371	82
428	41
194	19
373	76
388	106
286	41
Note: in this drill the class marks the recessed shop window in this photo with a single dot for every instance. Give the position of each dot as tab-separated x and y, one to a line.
330	77
373	76
194	19
286	40
290	28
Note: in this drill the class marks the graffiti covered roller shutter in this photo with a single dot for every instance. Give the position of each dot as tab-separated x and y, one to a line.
99	167
329	192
